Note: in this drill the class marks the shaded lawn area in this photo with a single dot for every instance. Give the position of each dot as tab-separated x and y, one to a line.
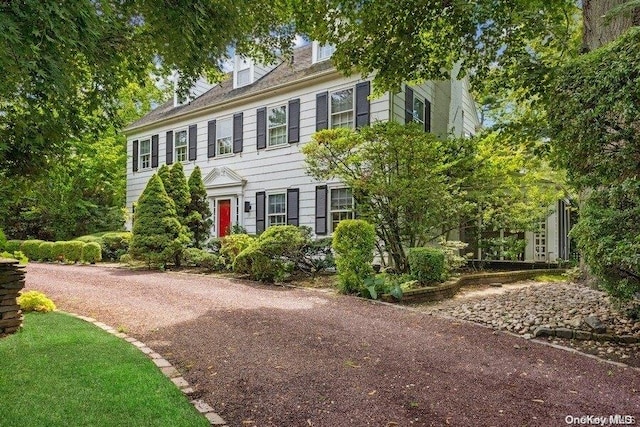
62	371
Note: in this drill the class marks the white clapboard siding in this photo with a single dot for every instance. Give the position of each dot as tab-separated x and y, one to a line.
271	169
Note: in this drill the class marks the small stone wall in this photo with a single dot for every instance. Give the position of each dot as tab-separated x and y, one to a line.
450	288
11	283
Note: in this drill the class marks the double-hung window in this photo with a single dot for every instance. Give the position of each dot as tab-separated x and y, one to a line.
342	113
145	154
277	126
277	209
418	111
224	136
340	205
180	146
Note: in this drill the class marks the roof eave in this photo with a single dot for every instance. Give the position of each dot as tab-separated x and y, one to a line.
252	96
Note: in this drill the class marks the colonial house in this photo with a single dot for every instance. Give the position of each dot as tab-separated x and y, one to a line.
246	132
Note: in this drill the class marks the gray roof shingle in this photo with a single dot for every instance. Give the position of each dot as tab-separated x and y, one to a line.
286	72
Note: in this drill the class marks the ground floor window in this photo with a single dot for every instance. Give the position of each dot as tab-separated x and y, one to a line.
277	209
340	205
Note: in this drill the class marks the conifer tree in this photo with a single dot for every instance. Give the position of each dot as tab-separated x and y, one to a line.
158	237
178	190
164	173
198	212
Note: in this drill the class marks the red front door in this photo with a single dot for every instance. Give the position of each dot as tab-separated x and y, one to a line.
224	217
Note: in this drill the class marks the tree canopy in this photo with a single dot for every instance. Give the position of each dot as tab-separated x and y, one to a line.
63	61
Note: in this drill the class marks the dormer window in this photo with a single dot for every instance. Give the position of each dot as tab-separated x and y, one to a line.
242	72
322	52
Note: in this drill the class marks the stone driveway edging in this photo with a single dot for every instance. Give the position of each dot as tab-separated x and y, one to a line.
165	367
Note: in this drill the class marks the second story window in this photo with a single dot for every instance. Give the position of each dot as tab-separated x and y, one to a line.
145	154
224	135
180	146
418	111
277	126
342	109
277	209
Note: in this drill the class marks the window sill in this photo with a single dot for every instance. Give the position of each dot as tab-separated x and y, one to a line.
277	147
222	156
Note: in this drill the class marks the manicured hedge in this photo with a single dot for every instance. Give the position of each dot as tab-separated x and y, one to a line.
46	251
31	249
426	264
91	252
354	242
73	251
3	240
57	251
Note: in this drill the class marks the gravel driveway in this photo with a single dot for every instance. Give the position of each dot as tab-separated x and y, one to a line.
271	356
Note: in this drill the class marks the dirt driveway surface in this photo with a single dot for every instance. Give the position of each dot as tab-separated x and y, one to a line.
270	356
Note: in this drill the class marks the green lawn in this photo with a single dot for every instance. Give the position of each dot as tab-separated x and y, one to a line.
61	371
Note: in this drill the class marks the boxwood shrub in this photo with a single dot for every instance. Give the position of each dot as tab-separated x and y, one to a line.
31	249
426	264
195	257
3	240
58	251
91	252
46	251
73	251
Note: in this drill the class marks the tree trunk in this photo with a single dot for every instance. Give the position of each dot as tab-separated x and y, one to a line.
597	31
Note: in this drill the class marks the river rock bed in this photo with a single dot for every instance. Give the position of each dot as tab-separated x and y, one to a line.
533	305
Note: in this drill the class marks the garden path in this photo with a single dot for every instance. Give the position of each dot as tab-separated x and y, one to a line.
274	356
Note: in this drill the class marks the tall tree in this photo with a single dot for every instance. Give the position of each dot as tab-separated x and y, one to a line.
461	182
83	190
178	190
198	212
63	61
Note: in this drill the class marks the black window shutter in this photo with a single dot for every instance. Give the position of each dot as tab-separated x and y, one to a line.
322	111
362	104
260	211
135	155
170	147
237	132
408	105
427	116
193	142
321	209
154	151
293	208
261	120
294	121
211	138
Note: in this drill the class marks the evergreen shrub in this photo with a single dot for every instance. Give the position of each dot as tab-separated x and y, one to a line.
158	237
200	258
46	251
12	245
91	252
58	251
115	244
353	243
427	265
31	249
3	240
73	251
273	255
232	245
35	301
